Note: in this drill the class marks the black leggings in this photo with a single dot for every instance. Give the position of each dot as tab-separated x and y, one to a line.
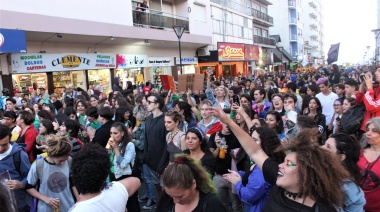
133	202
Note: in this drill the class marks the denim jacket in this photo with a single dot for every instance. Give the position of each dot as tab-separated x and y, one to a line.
355	200
124	163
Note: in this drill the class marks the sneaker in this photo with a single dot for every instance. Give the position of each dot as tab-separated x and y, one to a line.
143	199
149	205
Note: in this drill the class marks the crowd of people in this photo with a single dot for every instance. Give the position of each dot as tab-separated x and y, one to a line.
277	142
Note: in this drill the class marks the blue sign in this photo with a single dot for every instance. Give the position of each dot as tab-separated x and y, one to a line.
12	41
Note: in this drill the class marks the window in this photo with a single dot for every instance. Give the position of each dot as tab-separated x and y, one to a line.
229	29
265	33
245	22
258	31
216	26
264	10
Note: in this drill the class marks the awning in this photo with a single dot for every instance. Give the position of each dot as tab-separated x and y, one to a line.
286	57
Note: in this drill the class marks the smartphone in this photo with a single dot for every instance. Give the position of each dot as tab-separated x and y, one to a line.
236	99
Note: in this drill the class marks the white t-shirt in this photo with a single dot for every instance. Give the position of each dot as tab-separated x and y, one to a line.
113	198
327	105
5	154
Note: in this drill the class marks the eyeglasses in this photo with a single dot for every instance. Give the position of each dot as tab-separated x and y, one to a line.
149	102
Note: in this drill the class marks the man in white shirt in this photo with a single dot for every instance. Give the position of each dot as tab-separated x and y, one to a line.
89	171
327	98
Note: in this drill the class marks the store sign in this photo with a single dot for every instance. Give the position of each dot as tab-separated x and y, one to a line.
160	61
251	52
23	63
131	61
231	51
187	61
12	41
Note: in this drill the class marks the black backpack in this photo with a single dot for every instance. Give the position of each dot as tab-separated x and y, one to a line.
352	119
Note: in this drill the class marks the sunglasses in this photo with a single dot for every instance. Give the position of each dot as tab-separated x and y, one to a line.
149	102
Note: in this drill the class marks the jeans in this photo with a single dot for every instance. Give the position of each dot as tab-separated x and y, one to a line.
224	191
150	180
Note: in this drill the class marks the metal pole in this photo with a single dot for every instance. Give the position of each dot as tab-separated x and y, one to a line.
180	55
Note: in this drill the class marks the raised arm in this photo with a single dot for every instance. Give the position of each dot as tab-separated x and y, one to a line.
246	141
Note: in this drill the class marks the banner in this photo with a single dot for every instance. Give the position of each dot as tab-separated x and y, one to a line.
187	60
332	56
167	82
231	51
25	63
193	82
251	52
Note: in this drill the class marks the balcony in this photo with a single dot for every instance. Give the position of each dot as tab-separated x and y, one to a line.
262	18
312	4
306	45
293	38
313	15
263	40
235	6
158	20
292	4
292	21
294	53
313	26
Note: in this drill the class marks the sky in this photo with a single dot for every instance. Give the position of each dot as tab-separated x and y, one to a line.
350	23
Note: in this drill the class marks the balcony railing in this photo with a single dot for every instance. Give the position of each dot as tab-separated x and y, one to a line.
158	19
235	6
293	21
293	37
264	40
262	16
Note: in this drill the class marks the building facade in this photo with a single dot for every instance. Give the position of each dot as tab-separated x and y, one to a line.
122	28
313	32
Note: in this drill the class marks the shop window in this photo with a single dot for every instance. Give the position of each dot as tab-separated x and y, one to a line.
24	82
100	77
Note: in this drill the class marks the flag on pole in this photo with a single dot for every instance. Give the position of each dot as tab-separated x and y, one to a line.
332	56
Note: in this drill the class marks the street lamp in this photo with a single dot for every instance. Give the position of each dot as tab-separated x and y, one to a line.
179	29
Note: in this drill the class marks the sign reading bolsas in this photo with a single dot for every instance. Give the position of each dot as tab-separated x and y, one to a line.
231	51
22	63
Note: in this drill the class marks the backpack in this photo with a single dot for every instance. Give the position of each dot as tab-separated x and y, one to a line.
352	119
17	161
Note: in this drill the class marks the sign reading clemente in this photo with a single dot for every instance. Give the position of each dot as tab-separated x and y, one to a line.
70	61
24	63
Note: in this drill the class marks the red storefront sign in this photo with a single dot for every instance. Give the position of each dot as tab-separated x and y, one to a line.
251	52
231	52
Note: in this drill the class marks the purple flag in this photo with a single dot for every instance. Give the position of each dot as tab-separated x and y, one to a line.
332	56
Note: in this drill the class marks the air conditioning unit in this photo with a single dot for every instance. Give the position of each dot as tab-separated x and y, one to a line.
203	51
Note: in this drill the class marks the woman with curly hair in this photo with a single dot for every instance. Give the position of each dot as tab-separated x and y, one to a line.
348	150
304	181
250	185
188	187
52	173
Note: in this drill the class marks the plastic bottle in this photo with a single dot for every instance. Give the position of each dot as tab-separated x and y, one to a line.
222	153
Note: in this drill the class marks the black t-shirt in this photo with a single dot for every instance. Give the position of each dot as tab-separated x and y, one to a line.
208	161
207	203
222	165
277	200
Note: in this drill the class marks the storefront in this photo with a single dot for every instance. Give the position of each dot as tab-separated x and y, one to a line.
234	59
54	71
159	66
189	65
131	68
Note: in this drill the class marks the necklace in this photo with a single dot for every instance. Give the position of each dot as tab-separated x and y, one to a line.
172	137
375	149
